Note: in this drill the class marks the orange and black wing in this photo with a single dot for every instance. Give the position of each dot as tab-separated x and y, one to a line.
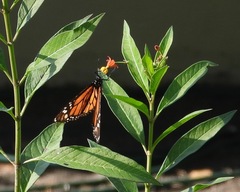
83	104
97	116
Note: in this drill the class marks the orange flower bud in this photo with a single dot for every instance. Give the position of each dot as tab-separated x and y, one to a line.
156	47
111	63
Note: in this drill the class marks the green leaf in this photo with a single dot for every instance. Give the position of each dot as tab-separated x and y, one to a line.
148	62
183	82
133	102
56	51
127	115
5	109
194	140
99	160
36	78
27	10
47	140
119	184
178	124
156	79
165	44
3	66
66	40
202	186
132	56
76	24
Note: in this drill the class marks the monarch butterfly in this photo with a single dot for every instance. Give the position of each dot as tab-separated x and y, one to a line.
87	101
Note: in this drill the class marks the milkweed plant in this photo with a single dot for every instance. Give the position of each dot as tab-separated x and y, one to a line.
147	71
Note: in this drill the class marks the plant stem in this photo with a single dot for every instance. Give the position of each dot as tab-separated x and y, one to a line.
150	140
16	91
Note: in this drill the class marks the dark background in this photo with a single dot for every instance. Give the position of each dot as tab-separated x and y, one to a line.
202	30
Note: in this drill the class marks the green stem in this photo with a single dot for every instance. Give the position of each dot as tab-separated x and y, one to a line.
16	91
149	153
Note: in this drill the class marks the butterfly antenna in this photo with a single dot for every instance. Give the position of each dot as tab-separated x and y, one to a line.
110	73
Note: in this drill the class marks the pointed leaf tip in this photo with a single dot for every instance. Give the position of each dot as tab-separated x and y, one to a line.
132	55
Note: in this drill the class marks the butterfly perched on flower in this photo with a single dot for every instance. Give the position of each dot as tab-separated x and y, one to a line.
87	101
